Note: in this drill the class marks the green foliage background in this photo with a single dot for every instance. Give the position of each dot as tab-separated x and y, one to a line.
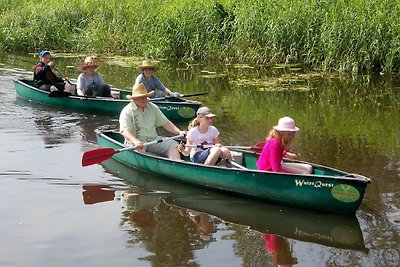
340	35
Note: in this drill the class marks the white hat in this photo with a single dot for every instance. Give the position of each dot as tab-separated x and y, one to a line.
286	124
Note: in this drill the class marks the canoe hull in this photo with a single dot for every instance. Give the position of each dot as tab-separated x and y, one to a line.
336	194
174	111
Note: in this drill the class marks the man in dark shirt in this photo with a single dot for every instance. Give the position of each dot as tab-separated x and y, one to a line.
45	78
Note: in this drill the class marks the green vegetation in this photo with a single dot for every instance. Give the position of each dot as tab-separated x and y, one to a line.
338	35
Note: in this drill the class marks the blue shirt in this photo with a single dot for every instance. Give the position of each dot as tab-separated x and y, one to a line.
154	84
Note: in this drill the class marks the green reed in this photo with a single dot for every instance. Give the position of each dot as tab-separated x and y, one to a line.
340	35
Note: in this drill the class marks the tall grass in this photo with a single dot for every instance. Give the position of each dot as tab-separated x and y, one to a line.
342	35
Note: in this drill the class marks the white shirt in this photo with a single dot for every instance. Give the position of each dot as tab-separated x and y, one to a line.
198	138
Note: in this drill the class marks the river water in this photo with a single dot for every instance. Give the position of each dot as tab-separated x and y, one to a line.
56	213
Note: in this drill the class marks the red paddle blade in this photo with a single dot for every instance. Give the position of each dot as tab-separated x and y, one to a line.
258	147
97	155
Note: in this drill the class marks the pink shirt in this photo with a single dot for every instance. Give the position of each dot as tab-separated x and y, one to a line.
271	156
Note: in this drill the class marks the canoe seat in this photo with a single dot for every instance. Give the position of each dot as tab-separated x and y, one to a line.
237	157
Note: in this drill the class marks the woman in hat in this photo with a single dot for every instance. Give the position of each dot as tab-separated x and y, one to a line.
139	120
202	132
151	82
90	82
45	78
279	139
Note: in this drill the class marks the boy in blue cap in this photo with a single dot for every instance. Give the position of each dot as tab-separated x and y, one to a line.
45	78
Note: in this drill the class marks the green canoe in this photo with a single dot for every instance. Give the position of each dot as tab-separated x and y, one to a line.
328	189
334	230
177	110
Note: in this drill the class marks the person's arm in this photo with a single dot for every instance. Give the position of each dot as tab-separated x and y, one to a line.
217	142
275	156
290	155
216	139
167	91
132	139
56	78
80	85
170	127
100	80
139	79
185	150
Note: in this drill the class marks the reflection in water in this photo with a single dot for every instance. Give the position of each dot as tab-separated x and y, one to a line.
335	230
54	128
57	127
279	248
162	231
96	193
175	224
89	123
204	222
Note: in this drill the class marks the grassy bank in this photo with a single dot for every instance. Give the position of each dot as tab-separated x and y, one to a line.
341	35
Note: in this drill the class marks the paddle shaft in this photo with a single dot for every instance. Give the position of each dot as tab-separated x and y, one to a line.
62	75
229	147
98	155
228	161
237	165
188	95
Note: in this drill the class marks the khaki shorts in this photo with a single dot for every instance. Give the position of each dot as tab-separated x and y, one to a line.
162	148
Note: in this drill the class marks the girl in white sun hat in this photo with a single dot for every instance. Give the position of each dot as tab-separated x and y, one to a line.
278	140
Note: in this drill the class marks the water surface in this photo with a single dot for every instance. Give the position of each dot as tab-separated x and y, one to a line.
56	213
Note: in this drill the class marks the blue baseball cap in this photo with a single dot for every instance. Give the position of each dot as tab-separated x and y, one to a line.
43	53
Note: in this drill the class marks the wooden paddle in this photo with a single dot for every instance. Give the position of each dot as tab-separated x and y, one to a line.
101	154
62	75
166	97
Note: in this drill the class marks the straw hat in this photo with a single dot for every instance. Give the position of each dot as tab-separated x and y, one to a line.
286	124
139	90
148	64
89	62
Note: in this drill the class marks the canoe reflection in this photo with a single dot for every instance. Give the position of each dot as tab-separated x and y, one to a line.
333	230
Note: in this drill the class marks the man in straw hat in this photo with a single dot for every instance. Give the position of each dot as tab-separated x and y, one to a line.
138	123
45	78
90	82
151	82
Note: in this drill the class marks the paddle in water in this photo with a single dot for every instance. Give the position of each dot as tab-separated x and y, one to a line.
101	154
